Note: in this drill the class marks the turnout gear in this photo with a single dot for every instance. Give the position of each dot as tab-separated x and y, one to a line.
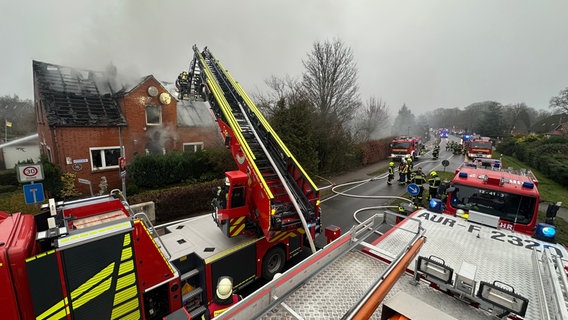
224	297
419	179
182	84
409	171
390	173
402	172
434	183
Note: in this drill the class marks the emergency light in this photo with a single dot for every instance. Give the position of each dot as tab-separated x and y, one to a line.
463	174
528	185
545	232
435	205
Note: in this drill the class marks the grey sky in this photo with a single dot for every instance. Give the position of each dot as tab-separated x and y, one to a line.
425	53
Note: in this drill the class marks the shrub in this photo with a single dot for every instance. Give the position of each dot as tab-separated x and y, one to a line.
179	202
179	167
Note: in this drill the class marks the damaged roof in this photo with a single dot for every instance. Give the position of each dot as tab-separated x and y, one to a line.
191	113
74	97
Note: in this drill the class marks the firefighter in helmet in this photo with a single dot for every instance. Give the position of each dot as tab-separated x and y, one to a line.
410	168
434	183
221	194
224	297
402	171
419	178
182	84
391	173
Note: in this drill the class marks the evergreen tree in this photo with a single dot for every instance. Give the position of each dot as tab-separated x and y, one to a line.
404	123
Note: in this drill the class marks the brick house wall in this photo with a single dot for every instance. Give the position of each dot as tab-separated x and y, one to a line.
80	148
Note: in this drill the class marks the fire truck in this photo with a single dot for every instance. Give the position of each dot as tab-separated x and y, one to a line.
479	147
428	266
490	194
404	147
95	259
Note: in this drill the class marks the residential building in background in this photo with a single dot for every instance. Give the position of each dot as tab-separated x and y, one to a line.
85	117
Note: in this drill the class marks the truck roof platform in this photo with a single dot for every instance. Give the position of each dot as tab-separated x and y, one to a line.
512	270
200	235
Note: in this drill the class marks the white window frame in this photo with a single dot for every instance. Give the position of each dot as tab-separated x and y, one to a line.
103	159
146	115
196	146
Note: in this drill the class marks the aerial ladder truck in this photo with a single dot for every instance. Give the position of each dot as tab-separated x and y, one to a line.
95	258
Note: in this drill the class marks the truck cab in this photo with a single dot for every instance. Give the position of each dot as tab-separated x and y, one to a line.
405	147
500	198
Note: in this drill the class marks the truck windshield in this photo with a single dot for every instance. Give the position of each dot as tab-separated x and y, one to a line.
481	144
401	145
507	206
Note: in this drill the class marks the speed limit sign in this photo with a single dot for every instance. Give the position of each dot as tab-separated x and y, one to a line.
30	172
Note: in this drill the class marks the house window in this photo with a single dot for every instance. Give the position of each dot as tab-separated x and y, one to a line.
153	115
192	146
104	158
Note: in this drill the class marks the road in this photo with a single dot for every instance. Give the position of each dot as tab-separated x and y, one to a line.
366	195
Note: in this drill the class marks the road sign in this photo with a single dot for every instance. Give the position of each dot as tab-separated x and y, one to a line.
445	163
85	181
30	172
33	193
413	189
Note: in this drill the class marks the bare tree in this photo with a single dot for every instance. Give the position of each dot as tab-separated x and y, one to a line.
516	117
371	120
560	102
330	80
285	91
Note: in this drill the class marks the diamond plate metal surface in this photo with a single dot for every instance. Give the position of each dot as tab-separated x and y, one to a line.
499	255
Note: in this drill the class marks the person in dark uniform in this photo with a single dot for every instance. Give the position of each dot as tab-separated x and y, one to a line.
390	173
419	179
434	183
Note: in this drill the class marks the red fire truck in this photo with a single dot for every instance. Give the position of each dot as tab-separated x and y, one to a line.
491	195
480	147
404	147
428	266
95	259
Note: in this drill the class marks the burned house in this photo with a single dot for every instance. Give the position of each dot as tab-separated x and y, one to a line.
88	120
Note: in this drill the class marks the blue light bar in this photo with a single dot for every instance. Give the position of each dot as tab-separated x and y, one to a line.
462	174
528	185
435	205
545	232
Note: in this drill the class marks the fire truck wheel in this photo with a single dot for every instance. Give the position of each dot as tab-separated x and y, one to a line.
273	262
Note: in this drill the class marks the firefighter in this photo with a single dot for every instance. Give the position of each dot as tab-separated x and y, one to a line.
434	183
419	179
391	173
224	297
182	84
410	168
402	171
222	194
436	151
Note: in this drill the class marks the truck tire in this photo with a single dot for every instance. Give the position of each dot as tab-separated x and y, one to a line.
273	262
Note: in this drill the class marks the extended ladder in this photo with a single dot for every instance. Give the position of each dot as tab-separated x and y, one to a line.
552	285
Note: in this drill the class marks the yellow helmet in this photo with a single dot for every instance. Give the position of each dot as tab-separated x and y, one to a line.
391	164
409	159
433	173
